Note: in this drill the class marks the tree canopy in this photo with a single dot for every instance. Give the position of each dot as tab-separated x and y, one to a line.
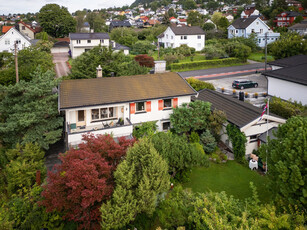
29	111
287	160
140	179
191	117
84	180
56	20
85	65
288	45
28	61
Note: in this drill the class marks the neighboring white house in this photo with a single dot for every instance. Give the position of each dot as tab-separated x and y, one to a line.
243	115
8	40
300	28
288	79
175	36
244	27
83	42
116	104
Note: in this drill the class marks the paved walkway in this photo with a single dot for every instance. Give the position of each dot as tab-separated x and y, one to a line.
61	68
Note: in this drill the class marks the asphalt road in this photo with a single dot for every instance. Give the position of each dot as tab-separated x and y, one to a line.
218	73
61	67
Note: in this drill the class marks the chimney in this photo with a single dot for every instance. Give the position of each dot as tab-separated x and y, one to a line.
92	31
99	71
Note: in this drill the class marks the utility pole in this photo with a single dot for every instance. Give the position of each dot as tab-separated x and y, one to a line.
16	62
266	50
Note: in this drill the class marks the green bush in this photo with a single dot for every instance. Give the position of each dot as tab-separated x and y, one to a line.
287	109
208	141
198	156
206	63
194	137
199	85
146	128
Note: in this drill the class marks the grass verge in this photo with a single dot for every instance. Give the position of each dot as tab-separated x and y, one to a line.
230	177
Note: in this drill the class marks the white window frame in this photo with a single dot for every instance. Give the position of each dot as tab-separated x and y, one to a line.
167	107
7	42
143	108
198	36
89	41
100	117
78	41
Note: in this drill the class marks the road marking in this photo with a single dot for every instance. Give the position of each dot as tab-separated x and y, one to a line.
227	74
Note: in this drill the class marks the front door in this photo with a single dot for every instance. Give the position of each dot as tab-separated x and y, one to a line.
80	118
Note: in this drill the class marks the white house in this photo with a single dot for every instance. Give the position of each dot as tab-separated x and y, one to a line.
244	27
8	40
175	36
243	115
116	104
83	42
288	79
300	28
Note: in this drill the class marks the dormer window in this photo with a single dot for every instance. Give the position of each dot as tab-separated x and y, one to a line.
78	41
101	41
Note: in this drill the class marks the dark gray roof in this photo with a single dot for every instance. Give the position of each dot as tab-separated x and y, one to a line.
34	41
292	13
242	23
296	74
237	112
119	46
187	30
271	132
61	44
120	23
302	25
290	61
85	36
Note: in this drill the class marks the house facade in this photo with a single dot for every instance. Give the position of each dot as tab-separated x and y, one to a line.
243	115
83	42
115	105
8	40
300	28
288	79
175	36
244	27
286	18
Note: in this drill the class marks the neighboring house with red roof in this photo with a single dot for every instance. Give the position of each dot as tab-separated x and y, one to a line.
182	21
8	40
5	29
250	11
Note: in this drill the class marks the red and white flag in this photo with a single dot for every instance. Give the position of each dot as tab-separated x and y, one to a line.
263	112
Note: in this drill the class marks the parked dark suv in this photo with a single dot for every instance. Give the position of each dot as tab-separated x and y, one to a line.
242	84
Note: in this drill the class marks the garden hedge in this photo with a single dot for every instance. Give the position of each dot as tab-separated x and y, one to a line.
205	63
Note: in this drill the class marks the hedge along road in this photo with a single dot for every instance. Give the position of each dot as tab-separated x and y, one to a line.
218	73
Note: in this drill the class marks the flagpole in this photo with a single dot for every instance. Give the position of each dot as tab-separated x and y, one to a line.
267	134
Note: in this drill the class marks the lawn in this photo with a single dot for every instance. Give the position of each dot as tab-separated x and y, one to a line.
230	177
260	57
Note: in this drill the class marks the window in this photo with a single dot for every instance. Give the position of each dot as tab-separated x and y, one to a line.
101	41
140	106
7	42
261	31
167	103
183	37
103	113
86	50
257	23
259	41
23	27
166	126
78	41
88	41
80	115
253	31
18	41
198	36
167	36
172	37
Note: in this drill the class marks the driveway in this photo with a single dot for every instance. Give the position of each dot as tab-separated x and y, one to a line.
61	68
